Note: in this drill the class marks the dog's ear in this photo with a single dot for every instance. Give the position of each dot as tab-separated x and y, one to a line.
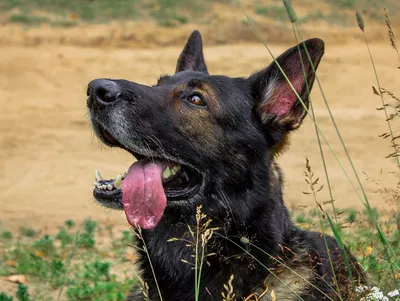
276	103
192	57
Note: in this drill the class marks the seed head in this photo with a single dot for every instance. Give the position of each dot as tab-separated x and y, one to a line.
244	240
360	21
290	11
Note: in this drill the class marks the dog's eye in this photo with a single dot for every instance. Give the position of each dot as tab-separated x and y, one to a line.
196	100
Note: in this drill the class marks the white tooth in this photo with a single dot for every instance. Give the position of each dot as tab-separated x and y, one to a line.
166	173
109	187
118	181
98	176
104	187
97	184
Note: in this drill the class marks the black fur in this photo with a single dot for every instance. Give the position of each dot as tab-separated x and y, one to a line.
231	143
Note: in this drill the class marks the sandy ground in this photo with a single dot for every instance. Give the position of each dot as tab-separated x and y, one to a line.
48	153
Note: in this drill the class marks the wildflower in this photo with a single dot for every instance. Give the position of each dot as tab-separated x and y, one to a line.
394	293
375	294
368	251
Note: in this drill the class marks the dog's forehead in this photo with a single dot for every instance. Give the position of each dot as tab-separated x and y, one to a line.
190	77
185	76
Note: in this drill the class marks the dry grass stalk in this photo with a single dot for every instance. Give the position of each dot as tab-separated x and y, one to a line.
381	94
391	94
228	295
309	178
392	37
200	235
145	289
396	108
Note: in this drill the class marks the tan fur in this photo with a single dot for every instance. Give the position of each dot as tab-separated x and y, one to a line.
275	173
282	146
289	283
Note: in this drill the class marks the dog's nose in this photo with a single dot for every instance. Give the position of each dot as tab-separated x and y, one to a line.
102	91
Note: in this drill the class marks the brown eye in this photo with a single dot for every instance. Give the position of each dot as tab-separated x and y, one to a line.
196	100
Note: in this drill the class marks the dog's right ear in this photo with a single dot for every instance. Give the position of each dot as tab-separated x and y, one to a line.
276	103
192	57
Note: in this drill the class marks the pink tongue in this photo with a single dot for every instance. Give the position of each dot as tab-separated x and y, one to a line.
143	195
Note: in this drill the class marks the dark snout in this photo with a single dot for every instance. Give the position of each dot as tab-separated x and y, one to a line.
102	92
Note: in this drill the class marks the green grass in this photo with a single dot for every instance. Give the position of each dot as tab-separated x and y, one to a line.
357	232
69	12
87	10
272	11
171	13
30	20
340	12
74	262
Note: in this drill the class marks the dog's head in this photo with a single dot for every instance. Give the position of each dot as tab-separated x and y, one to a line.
194	134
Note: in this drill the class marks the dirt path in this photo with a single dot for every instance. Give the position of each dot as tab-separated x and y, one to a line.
48	153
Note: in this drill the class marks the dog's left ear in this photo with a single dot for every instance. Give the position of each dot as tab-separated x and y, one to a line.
192	57
276	102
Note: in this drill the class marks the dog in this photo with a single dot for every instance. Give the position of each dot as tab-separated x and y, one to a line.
205	192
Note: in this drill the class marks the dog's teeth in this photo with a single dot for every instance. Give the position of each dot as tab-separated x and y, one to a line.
97	184
118	181
110	187
104	187
175	169
166	173
97	176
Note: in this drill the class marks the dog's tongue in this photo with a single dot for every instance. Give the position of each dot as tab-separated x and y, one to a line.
143	195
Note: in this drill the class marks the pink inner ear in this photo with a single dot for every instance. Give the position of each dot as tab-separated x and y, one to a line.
283	97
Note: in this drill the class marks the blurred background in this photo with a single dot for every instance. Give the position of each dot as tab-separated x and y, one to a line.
50	50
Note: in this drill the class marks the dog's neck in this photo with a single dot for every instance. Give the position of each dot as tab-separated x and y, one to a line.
172	244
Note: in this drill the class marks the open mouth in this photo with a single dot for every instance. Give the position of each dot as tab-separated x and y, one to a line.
145	189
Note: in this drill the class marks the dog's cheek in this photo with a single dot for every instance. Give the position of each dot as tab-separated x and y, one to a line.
196	127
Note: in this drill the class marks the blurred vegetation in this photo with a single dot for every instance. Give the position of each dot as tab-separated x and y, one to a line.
81	262
87	10
73	263
338	12
70	12
171	13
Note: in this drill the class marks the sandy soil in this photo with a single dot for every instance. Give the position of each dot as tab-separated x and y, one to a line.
48	153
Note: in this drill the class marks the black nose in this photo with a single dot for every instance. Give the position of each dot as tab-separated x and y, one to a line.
102	91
